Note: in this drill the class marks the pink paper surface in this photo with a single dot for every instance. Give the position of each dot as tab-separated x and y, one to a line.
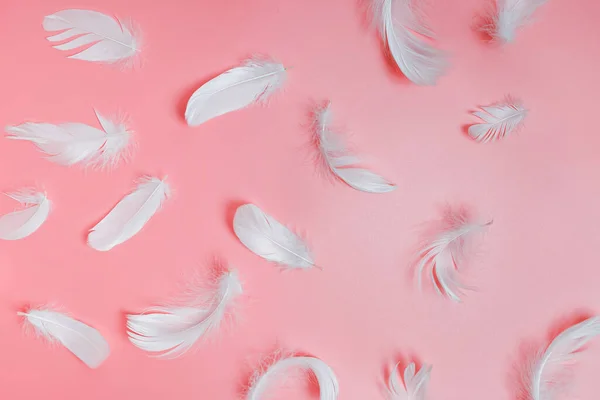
536	272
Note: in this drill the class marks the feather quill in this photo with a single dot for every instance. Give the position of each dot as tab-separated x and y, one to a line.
130	215
341	162
415	386
76	143
171	331
328	384
20	224
269	239
96	36
408	41
545	374
498	121
255	81
443	256
85	342
510	16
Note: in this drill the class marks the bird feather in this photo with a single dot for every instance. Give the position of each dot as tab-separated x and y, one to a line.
510	15
498	121
415	386
19	224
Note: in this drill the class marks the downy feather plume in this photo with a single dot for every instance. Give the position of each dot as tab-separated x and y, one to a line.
498	121
235	89
130	215
546	372
341	162
408	41
19	224
444	255
73	143
80	339
415	386
95	36
269	239
509	16
328	384
171	331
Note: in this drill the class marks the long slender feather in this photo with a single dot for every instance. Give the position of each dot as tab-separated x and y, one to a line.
171	331
498	121
19	224
341	162
328	384
510	16
80	339
415	386
96	36
408	41
76	143
130	215
269	239
235	89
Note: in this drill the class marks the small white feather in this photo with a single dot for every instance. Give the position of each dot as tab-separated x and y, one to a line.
96	36
73	143
171	331
266	237
408	41
130	215
510	16
328	384
19	224
341	162
80	339
498	121
415	386
235	89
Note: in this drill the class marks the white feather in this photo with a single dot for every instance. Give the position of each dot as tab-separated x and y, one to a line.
498	121
19	224
96	36
511	15
269	239
443	256
235	89
80	339
547	371
171	331
408	41
72	143
130	215
328	384
415	386
341	162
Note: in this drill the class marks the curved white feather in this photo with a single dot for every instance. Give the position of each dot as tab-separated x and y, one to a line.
546	371
19	224
234	89
328	384
73	143
498	121
408	41
415	386
171	331
511	15
98	37
130	215
80	339
266	237
341	162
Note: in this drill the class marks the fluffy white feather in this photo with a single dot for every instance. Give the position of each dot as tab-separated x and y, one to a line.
237	88
96	36
130	215
546	372
328	384
74	143
171	331
269	239
341	162
80	339
498	121
443	256
19	224
415	386
408	41
511	15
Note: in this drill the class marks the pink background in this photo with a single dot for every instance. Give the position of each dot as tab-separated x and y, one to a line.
536	271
